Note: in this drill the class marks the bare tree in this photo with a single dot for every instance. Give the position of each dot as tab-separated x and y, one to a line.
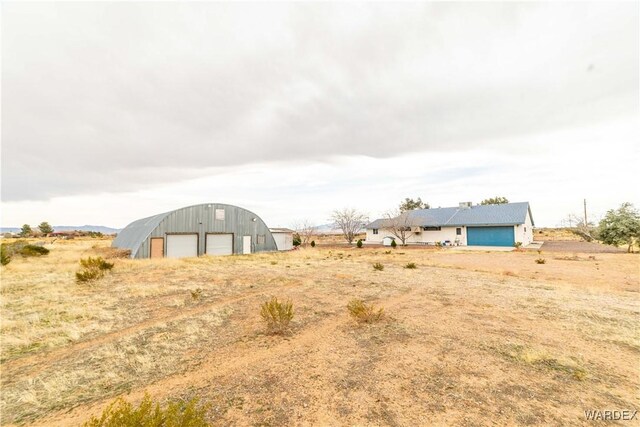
350	221
398	224
578	226
306	231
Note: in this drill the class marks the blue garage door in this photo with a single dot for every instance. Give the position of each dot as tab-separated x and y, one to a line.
490	236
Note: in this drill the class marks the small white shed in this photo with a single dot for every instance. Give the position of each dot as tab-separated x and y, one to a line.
283	238
387	241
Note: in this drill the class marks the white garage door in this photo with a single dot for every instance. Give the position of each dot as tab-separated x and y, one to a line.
219	244
182	245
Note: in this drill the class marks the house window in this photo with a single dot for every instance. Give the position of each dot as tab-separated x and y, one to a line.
220	214
458	231
525	228
431	228
260	239
375	231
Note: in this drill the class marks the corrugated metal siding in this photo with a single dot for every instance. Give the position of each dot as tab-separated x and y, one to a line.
200	219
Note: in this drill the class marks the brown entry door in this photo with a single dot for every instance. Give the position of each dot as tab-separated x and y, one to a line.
157	247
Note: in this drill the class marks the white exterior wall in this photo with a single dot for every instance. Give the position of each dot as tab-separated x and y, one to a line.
524	232
284	241
446	233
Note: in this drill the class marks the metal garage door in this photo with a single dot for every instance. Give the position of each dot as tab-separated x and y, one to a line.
182	245
219	244
490	236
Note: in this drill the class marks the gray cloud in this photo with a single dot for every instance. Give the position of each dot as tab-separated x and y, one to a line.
119	96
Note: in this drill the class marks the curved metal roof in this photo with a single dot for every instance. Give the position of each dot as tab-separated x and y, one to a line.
133	235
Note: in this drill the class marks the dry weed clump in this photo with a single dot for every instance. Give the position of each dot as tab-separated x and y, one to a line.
121	413
411	265
111	253
378	267
541	261
539	358
277	315
92	269
366	313
196	294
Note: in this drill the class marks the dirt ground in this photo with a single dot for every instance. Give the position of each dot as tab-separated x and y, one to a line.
469	338
580	246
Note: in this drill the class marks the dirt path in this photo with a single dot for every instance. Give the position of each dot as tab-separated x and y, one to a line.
226	361
34	364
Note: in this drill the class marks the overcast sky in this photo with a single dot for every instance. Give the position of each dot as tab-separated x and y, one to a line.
116	111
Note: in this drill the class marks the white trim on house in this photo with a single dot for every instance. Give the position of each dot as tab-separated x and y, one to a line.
425	232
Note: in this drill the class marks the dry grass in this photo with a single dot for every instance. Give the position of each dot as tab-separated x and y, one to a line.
472	338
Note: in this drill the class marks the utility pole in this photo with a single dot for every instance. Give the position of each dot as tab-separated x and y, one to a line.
585	213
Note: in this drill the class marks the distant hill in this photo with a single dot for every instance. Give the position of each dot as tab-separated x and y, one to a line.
98	228
327	229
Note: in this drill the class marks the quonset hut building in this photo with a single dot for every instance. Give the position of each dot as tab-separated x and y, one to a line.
207	229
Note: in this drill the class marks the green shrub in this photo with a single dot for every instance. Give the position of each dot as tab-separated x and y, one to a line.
359	243
121	413
313	243
297	240
541	261
411	265
277	315
378	267
93	269
20	247
394	244
517	245
5	257
33	250
362	312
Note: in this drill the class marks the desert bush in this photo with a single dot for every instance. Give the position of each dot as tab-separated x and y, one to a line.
33	250
394	244
5	258
313	243
517	245
378	267
93	269
111	253
20	247
277	315
362	312
411	265
195	295
359	243
121	413
387	252
541	261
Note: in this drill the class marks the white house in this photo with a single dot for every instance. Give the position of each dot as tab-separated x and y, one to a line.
465	225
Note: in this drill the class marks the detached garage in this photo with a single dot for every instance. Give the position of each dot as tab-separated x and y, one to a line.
209	229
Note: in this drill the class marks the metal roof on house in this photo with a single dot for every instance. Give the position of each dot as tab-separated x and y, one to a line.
504	214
